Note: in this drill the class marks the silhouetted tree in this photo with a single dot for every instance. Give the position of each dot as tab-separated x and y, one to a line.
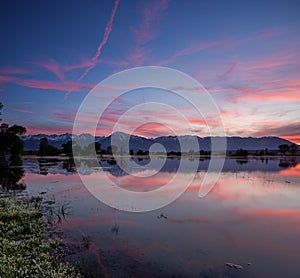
67	148
202	152
11	146
266	151
141	152
1	106
241	152
47	150
283	148
293	148
10	177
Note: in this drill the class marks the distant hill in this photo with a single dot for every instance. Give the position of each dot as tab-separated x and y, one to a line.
171	143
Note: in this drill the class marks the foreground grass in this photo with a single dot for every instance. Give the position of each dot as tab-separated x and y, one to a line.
26	248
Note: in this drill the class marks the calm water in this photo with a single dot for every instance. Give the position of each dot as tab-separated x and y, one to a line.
251	218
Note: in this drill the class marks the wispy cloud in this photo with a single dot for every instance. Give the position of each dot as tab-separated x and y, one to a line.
21	110
50	85
107	32
145	32
138	57
192	50
292	129
223	43
6	79
151	13
103	42
229	70
46	85
83	63
54	67
47	130
272	62
14	71
265	34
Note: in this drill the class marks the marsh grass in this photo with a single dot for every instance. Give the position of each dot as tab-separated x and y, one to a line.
28	246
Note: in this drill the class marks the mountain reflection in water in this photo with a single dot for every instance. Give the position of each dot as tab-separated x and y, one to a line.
252	215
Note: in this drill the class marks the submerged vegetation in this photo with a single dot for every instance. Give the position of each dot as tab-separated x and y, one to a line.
28	248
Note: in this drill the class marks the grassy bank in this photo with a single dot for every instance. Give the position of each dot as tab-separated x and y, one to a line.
28	248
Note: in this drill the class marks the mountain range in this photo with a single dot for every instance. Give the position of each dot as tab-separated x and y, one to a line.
171	143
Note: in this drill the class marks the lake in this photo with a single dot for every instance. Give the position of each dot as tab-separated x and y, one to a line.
251	218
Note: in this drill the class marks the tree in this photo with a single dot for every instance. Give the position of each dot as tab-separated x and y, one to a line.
46	149
266	151
293	148
43	147
11	146
283	148
97	147
241	152
67	148
1	106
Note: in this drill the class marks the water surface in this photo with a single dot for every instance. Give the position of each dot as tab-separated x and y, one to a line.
251	218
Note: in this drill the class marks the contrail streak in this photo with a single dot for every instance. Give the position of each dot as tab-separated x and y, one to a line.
107	32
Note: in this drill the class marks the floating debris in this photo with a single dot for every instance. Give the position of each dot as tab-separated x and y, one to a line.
249	263
162	216
236	266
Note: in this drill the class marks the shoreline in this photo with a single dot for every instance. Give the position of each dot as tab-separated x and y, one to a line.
106	156
30	247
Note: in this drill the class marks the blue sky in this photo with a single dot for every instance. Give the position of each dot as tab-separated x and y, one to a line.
245	53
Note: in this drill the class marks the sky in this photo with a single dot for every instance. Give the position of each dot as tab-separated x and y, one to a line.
244	53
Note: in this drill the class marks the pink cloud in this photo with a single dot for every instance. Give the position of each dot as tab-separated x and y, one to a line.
7	79
271	62
67	116
22	110
138	57
54	67
45	130
152	129
253	94
13	71
47	85
230	69
286	130
221	43
197	121
293	138
265	34
150	15
84	63
50	85
193	49
276	213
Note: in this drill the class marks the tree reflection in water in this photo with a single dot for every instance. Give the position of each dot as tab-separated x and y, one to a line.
10	176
